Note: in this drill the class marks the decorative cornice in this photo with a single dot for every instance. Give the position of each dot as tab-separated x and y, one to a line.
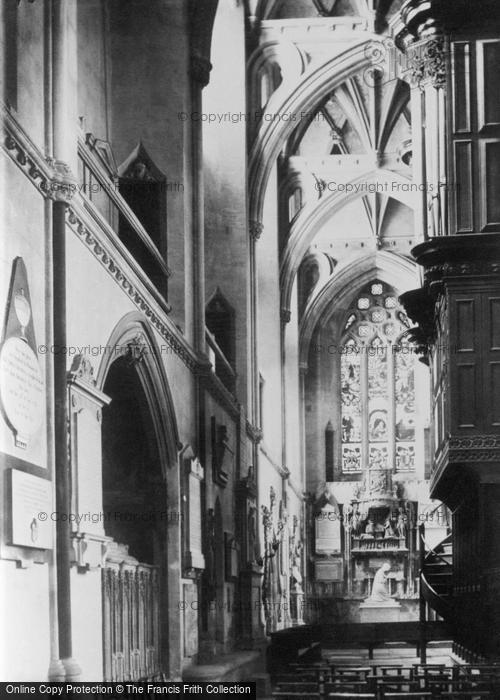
19	147
52	178
425	18
123	278
468	255
475	449
422	17
81	377
462	269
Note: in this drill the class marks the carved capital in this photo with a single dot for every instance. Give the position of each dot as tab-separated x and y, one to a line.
255	228
63	184
426	62
285	315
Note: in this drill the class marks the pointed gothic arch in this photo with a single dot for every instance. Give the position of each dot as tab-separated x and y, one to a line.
395	270
134	338
315	84
314	215
141	484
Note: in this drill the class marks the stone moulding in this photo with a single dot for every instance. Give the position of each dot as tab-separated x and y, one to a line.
125	279
46	175
19	147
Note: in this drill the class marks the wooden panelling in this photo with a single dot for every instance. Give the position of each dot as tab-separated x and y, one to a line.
493	321
464	189
488	85
465	325
474	125
466	390
493	388
464	362
489	157
461	87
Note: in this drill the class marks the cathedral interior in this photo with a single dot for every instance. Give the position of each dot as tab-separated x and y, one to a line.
283	426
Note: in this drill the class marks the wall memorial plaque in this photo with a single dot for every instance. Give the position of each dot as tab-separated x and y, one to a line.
329	570
328	534
21	389
31	511
21	382
194	556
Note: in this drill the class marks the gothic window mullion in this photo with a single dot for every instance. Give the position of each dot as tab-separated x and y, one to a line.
364	403
377	386
391	407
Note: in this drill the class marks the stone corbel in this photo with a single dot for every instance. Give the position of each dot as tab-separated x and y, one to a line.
255	228
285	316
137	349
63	183
89	550
200	70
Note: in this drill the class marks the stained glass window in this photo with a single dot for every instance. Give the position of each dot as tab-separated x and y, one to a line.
404	390
377	384
351	407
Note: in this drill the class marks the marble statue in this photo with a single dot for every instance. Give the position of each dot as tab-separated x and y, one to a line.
379	589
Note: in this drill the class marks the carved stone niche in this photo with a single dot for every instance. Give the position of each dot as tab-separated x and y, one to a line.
222	453
247	514
85	419
251	630
194	474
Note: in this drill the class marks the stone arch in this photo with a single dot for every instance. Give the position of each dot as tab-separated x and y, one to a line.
135	357
314	85
393	269
134	337
314	215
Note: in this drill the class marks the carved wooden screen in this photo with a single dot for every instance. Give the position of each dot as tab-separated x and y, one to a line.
131	621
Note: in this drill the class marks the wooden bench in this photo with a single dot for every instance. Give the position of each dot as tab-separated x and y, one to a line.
376	634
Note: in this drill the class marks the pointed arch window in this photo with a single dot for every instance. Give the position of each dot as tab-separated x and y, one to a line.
377	377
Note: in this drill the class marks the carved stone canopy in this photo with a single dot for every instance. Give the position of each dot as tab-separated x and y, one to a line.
325	498
378	490
139	166
82	369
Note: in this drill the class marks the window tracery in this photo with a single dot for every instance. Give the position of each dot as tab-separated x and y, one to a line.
377	385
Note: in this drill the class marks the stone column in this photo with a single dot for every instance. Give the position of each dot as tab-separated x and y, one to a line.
63	35
200	71
425	45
